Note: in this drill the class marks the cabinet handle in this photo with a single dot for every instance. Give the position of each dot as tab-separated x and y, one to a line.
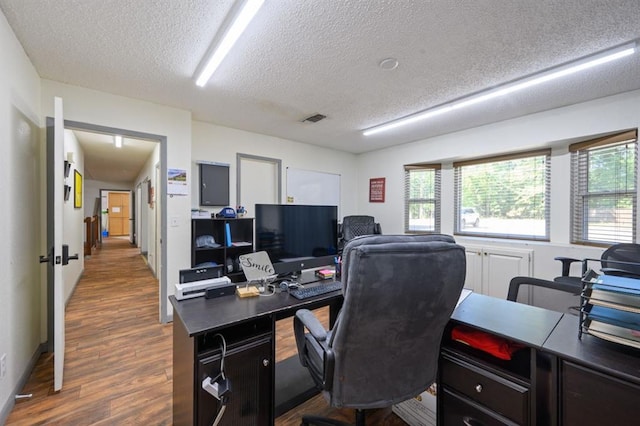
265	362
478	388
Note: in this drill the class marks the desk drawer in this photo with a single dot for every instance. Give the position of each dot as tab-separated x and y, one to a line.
459	411
490	390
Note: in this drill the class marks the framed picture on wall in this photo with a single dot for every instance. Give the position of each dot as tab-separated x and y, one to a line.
376	190
77	193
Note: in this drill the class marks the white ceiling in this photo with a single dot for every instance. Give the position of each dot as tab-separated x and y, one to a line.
104	162
302	57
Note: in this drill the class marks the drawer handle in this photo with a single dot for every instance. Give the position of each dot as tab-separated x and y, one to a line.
470	421
478	388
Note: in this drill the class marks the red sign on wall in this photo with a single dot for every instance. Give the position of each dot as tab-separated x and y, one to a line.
376	190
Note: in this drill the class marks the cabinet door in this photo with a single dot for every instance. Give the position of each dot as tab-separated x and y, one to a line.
250	373
499	266
473	279
591	398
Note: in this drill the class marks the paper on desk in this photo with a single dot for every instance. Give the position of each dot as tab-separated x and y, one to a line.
465	292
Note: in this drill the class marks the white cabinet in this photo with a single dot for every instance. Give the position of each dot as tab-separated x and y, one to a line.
490	269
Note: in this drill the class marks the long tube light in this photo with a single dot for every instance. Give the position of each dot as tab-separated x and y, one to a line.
248	11
543	77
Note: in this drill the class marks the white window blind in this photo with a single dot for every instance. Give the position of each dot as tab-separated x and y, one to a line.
422	198
604	189
505	196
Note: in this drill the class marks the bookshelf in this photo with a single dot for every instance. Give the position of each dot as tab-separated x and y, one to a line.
221	241
610	308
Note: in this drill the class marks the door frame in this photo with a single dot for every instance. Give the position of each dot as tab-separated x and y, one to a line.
162	279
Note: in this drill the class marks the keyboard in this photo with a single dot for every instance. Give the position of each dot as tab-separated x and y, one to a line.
307	292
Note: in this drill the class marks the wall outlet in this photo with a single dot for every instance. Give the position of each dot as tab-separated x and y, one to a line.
3	366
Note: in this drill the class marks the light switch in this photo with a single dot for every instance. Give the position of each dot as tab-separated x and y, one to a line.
175	221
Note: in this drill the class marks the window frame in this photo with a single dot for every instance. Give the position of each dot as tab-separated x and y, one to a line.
435	201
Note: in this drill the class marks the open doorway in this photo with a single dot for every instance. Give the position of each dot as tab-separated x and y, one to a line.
128	169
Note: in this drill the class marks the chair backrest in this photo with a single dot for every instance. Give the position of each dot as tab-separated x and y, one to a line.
399	294
356	226
622	259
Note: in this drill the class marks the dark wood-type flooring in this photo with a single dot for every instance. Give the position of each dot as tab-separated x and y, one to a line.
118	358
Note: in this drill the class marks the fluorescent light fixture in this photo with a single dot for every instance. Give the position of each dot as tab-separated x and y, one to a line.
248	11
539	78
117	139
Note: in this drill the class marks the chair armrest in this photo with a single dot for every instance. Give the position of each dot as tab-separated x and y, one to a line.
305	318
516	282
309	320
566	264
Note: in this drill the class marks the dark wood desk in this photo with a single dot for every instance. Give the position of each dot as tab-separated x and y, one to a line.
248	327
557	379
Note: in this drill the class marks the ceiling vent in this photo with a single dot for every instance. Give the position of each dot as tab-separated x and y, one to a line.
315	118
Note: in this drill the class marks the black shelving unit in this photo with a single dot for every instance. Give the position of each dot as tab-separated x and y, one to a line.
217	248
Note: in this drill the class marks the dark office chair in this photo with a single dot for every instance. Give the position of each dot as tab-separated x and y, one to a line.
619	259
356	226
566	304
399	293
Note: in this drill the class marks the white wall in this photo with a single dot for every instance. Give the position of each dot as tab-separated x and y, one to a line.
147	215
92	191
20	155
73	219
555	128
99	108
221	144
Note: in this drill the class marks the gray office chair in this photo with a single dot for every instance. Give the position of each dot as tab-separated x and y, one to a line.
356	226
567	301
620	259
399	293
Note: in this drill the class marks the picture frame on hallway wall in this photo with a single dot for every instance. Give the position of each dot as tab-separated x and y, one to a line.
77	192
376	190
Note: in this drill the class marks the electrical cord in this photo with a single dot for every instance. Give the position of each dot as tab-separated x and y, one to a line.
222	397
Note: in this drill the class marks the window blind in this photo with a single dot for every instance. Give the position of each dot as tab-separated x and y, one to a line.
505	196
422	198
604	189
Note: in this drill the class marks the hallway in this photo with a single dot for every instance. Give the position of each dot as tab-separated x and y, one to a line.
118	356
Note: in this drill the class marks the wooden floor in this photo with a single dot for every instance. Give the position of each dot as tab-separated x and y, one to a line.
118	358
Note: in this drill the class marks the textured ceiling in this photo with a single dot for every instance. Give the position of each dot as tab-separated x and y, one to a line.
301	57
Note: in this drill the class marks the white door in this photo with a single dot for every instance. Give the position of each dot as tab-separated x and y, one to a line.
57	255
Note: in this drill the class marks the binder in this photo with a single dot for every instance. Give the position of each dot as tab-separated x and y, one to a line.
227	234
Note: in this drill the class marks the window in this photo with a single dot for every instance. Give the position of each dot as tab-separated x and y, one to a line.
603	189
506	196
422	198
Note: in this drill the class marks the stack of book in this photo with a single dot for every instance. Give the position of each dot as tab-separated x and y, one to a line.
611	309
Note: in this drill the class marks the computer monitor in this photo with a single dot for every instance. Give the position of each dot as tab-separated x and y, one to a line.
297	237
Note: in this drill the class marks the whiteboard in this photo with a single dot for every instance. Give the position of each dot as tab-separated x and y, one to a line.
313	188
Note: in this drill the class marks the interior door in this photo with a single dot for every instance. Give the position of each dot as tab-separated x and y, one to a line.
55	238
118	213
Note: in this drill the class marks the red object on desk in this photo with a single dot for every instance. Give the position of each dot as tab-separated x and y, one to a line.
494	345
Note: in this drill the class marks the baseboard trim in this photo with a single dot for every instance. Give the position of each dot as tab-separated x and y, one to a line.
11	402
